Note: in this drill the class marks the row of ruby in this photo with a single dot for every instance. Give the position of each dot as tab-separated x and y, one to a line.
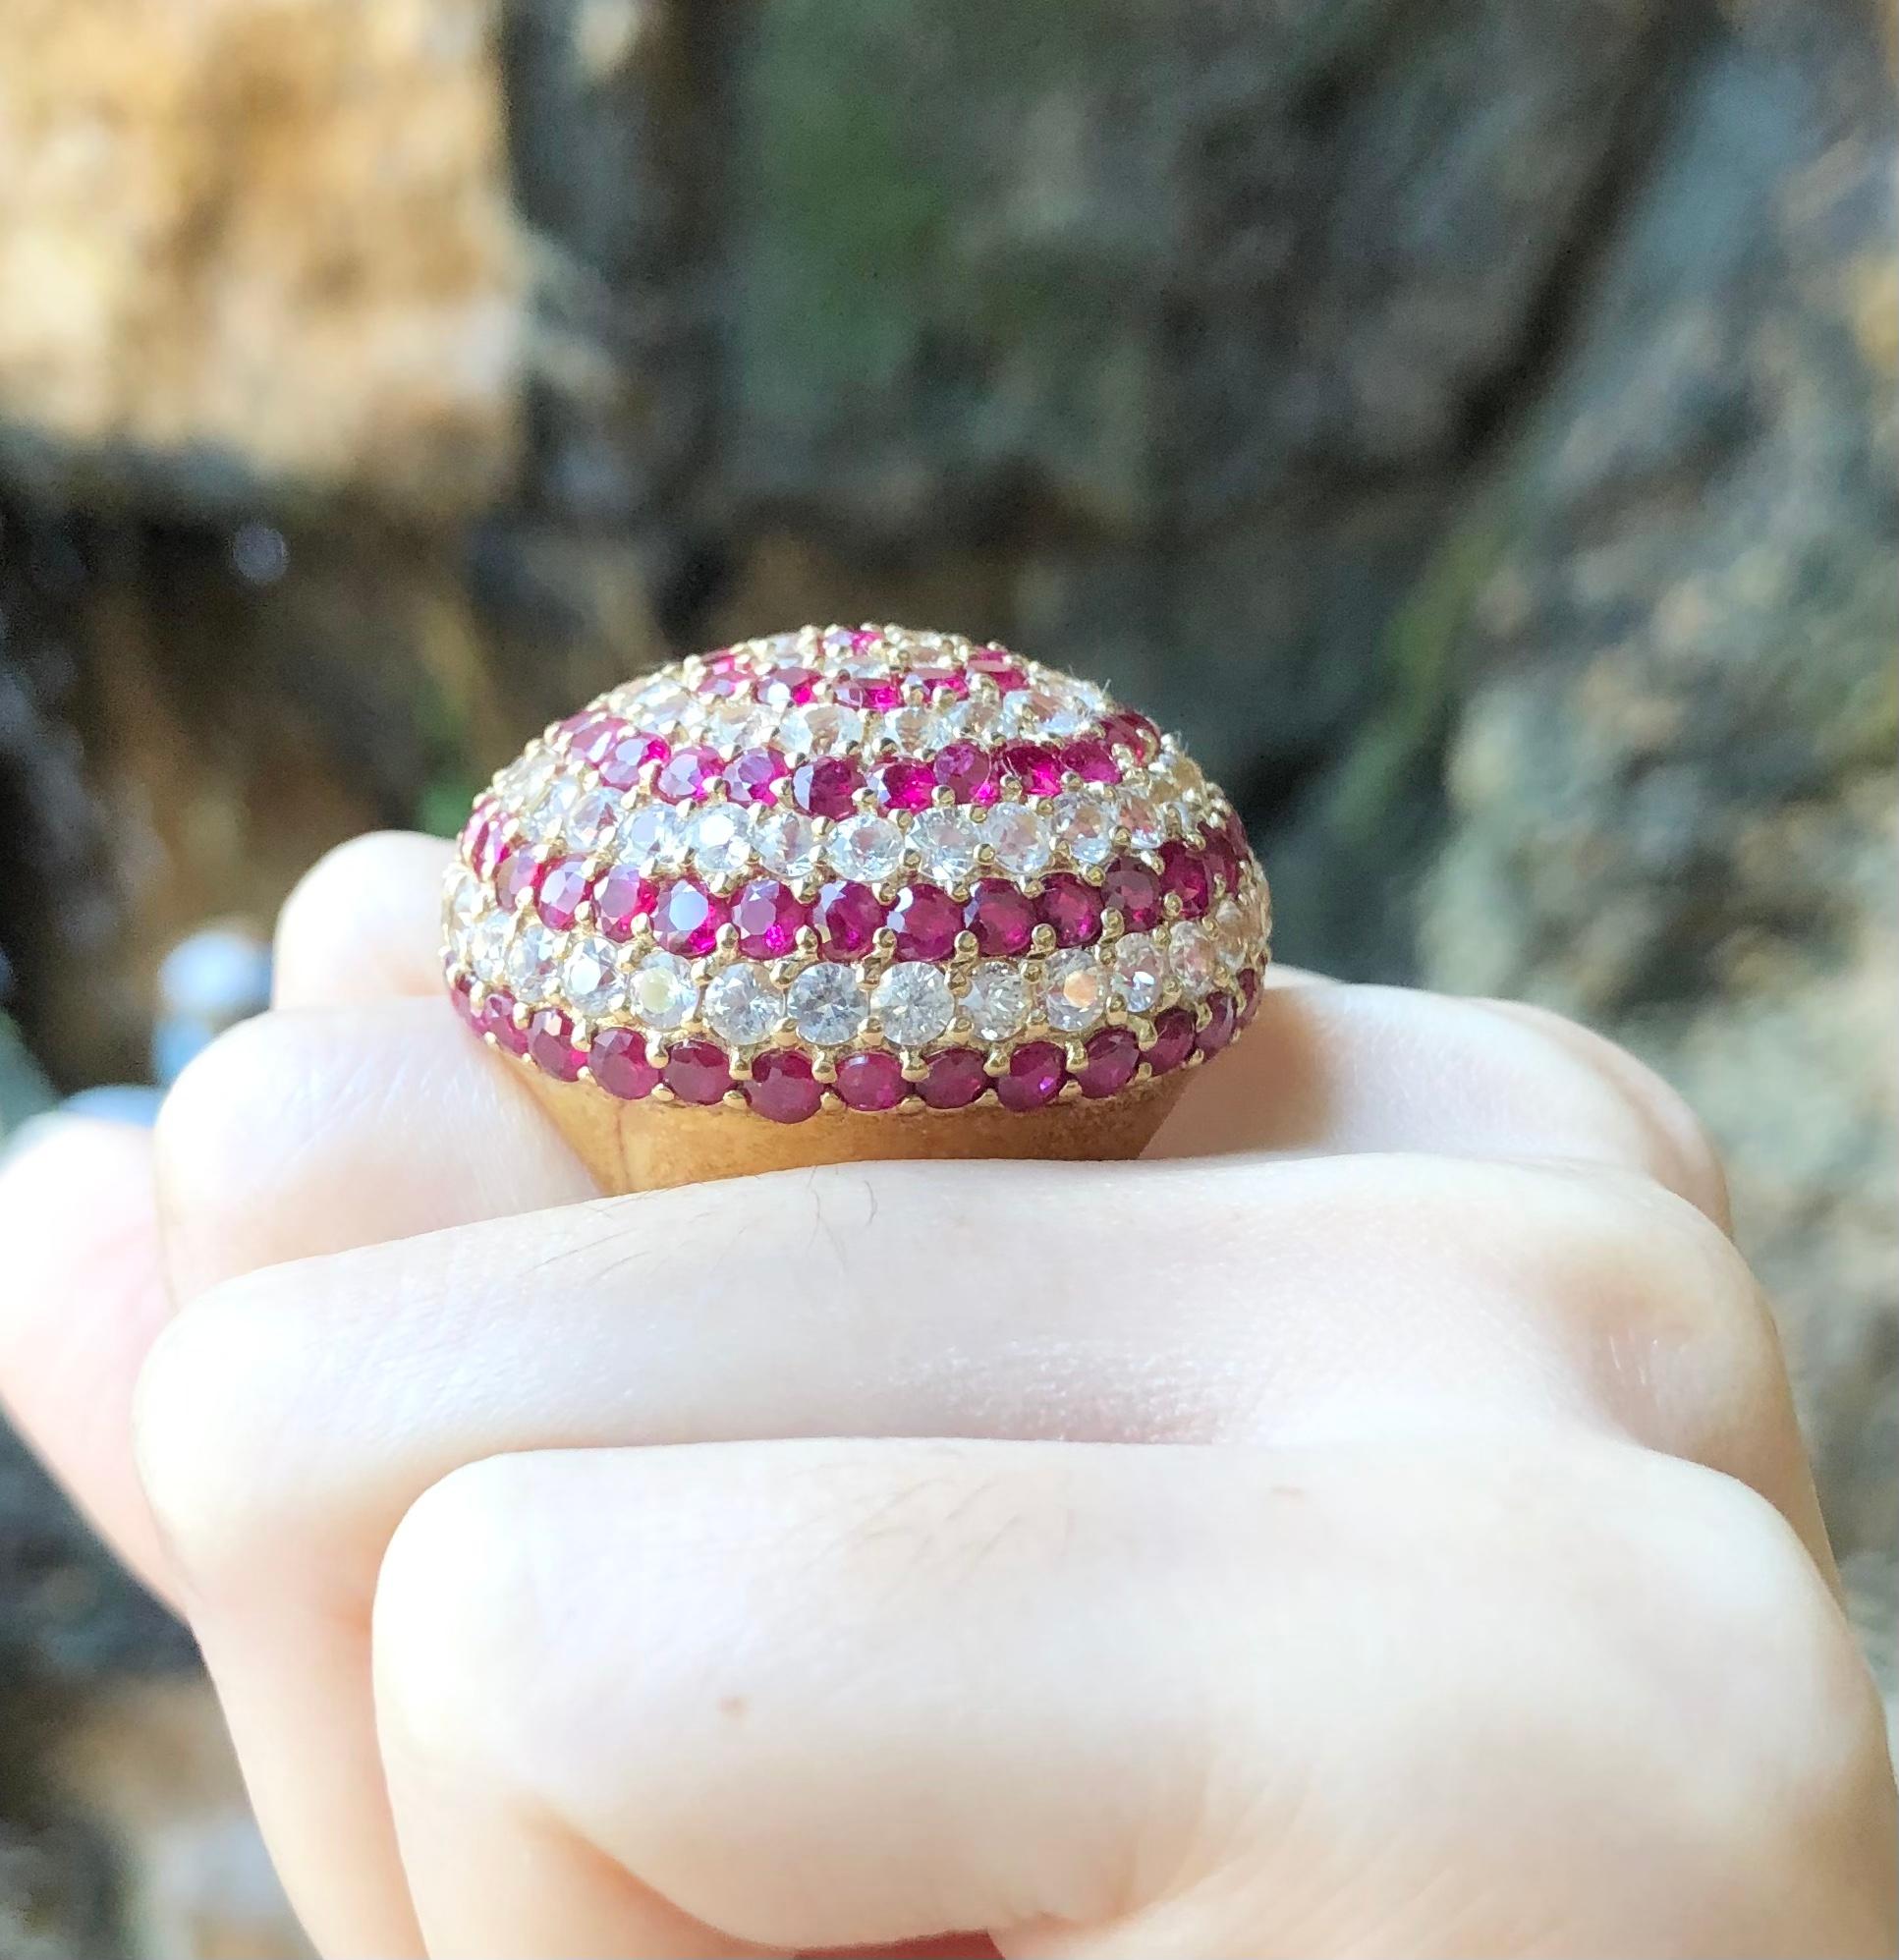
828	785
768	914
789	684
783	1087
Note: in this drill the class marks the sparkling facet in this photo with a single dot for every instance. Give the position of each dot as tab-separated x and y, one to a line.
996	1001
1141	816
687	919
847	916
592	821
718	839
1140	972
662	991
688	775
652	836
1019	838
913	1004
1035	766
823	725
1194	958
628	755
589	979
553	808
767	913
514	878
786	841
826	1004
827	787
915	730
866	847
742	1005
1091	760
622	895
755	777
533	962
488	949
948	843
1075	991
964	769
1084	826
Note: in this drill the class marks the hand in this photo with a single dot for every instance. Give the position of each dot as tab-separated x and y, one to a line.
1378	1525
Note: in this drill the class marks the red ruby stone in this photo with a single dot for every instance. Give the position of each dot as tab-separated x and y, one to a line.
513	874
618	1062
1223	1015
629	754
827	787
873	1079
753	775
620	898
948	680
1248	998
1037	767
926	920
462	995
963	768
783	1088
688	775
906	785
1072	908
562	887
1113	1055
847	916
1130	888
1183	872
550	1045
1125	729
955	1080
877	695
1091	760
688	917
481	839
498	1020
1222	860
1033	1078
1001	917
725	661
768	915
592	737
696	1072
999	664
788	686
1173	1041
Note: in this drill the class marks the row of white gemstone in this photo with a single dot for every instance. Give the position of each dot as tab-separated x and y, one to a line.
828	1004
723	841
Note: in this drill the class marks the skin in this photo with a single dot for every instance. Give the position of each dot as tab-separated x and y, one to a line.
1374	1525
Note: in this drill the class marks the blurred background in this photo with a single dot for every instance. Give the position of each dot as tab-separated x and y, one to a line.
1469	421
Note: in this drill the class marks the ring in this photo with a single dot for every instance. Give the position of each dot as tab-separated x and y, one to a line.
864	872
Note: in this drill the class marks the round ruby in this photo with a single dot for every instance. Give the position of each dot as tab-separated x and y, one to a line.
630	753
999	664
1130	888
1236	832
1001	917
1222	860
1091	760
827	787
1033	1078
783	1088
562	887
696	1072
688	775
621	898
462	995
618	1062
1125	729
1072	908
550	1045
955	1080
481	839
787	686
591	736
498	1020
1173	1041
754	774
1223	1015
847	916
873	1079
1113	1055
926	920
950	682
768	915
906	785
513	874
1182	874
724	660
877	695
687	919
1248	998
963	768
1037	767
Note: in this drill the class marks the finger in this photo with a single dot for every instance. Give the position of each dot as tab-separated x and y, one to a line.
82	1299
364	924
1147	1704
1330	1068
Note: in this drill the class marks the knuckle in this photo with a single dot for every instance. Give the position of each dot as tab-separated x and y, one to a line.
330	890
224	1095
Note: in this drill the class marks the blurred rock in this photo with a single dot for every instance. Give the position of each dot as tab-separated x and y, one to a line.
245	246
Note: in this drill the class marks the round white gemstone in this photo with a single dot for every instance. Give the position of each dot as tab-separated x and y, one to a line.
822	725
1019	838
463	902
719	837
1191	954
1085	826
589	979
1142	817
652	837
523	779
1059	709
661	990
786	841
734	722
553	808
826	1004
866	847
912	1001
532	961
948	843
1140	972
1075	991
977	719
743	1006
996	1001
591	821
913	731
1230	931
662	702
487	950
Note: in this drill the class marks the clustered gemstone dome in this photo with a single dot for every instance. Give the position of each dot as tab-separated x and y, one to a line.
893	869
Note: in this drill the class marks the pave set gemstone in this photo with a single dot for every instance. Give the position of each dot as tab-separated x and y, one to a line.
887	868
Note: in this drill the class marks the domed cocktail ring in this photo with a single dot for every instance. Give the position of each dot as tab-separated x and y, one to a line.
844	894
